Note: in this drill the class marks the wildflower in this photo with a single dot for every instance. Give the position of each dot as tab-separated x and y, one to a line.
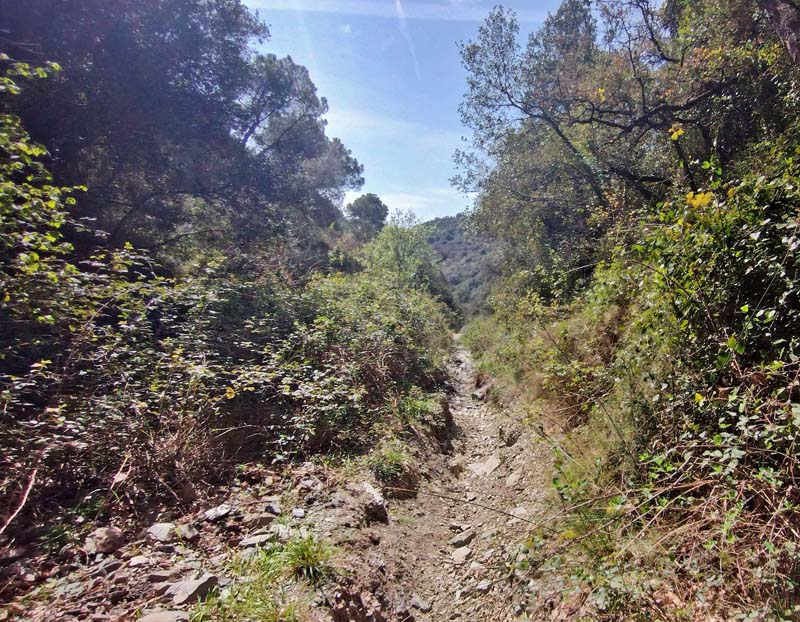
700	199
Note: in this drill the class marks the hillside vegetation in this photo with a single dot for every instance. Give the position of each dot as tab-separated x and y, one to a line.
645	181
168	306
467	262
192	325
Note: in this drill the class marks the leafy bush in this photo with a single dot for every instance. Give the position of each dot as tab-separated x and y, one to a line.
683	357
117	384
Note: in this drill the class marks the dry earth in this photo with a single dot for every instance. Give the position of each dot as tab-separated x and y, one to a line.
450	551
456	545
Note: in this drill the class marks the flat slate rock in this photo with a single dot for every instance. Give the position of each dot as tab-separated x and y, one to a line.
487	467
462	554
417	602
257	540
273	507
162	532
193	590
463	538
165	616
217	513
186	532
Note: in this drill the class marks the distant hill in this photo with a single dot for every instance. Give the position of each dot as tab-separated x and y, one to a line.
468	262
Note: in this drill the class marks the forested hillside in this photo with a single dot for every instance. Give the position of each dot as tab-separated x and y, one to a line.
643	174
227	395
467	262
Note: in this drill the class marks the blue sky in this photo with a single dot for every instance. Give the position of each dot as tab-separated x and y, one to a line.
393	80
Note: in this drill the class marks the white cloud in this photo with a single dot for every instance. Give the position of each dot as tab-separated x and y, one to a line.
349	123
346	29
457	10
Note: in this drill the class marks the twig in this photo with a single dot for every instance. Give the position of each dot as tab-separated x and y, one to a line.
22	501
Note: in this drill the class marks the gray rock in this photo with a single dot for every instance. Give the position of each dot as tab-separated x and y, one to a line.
217	513
282	532
462	539
461	555
310	484
186	532
158	576
107	567
107	539
487	467
298	513
194	590
139	560
257	540
273	507
256	521
162	532
481	392
476	569
417	602
456	465
483	586
374	506
165	616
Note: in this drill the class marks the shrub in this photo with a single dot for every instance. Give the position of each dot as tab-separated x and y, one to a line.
119	385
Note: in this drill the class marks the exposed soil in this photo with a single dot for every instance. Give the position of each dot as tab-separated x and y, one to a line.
447	552
493	486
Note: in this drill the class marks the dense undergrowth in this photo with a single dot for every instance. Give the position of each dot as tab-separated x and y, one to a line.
124	388
658	347
673	380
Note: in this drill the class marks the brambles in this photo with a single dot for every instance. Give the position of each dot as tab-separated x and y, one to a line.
119	385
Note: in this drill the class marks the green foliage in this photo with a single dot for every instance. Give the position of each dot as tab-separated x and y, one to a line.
468	262
267	584
187	139
652	324
307	559
402	253
602	113
390	462
368	215
118	385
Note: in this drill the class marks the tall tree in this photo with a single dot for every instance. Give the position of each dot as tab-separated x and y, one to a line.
181	133
368	214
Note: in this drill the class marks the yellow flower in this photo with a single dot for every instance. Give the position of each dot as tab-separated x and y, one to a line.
601	94
676	131
701	199
230	393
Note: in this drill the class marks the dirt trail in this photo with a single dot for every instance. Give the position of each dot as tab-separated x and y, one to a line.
446	554
496	480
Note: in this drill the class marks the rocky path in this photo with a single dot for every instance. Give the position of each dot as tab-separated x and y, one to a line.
450	552
458	542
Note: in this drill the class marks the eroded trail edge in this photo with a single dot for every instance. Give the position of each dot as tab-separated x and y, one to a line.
454	547
449	551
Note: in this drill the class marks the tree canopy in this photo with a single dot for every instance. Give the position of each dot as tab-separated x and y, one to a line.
183	135
368	214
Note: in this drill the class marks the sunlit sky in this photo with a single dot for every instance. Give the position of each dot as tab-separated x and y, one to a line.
391	73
